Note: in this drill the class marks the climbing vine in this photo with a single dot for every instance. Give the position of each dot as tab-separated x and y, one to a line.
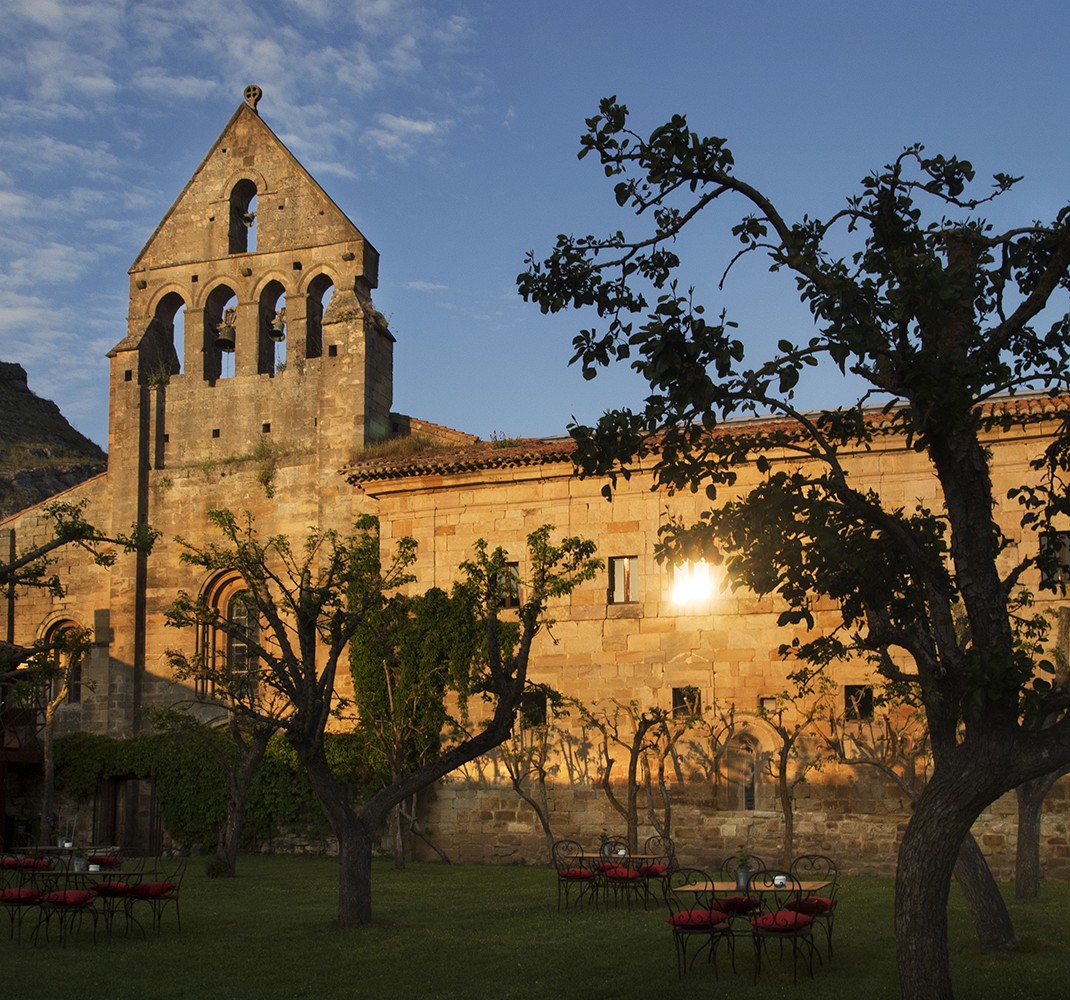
191	782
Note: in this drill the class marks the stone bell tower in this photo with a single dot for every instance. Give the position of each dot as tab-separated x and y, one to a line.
250	319
253	368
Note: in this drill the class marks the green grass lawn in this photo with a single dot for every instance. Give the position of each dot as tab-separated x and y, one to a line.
483	931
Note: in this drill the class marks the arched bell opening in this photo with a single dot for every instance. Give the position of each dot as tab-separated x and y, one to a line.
170	330
242	232
320	291
220	333
271	351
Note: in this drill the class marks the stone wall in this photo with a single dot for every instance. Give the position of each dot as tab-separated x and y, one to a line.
492	825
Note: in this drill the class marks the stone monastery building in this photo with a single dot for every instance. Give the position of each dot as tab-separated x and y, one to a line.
255	373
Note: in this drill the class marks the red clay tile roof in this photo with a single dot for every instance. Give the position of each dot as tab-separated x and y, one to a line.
480	455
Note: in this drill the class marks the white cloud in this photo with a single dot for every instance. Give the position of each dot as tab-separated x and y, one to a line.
157	80
50	263
397	135
425	286
45	152
13	205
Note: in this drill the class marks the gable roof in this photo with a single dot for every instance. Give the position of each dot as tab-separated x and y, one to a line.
247	147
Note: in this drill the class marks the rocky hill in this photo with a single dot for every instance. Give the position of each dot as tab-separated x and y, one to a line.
40	453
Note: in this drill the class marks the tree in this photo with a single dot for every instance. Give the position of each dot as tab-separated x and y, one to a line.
54	671
313	600
1031	794
894	740
42	672
937	315
65	524
248	734
408	652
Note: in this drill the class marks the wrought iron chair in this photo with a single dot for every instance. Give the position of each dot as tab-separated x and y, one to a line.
158	894
660	861
573	874
693	916
116	894
18	894
63	901
820	905
777	922
618	875
739	903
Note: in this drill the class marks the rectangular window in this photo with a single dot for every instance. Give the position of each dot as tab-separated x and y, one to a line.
533	707
1054	560
686	702
623	579
857	702
509	586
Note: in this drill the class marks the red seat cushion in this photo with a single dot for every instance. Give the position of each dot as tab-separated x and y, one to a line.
621	873
152	890
786	921
697	918
69	897
575	874
17	897
653	871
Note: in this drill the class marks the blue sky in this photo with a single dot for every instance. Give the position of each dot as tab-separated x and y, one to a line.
448	132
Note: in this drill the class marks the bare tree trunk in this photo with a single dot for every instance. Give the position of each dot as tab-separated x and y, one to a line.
48	792
991	919
241	779
397	837
922	881
1030	797
787	806
355	840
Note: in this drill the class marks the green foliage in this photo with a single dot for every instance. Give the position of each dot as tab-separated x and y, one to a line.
407	653
191	783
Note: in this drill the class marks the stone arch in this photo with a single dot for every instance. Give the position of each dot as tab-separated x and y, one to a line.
271	328
220	325
241	229
169	323
743	768
319	291
66	669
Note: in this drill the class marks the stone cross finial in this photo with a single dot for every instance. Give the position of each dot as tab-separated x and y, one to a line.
252	95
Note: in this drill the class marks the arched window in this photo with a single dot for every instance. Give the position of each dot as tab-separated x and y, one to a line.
65	675
220	333
170	328
320	290
742	763
242	233
227	653
271	353
242	665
